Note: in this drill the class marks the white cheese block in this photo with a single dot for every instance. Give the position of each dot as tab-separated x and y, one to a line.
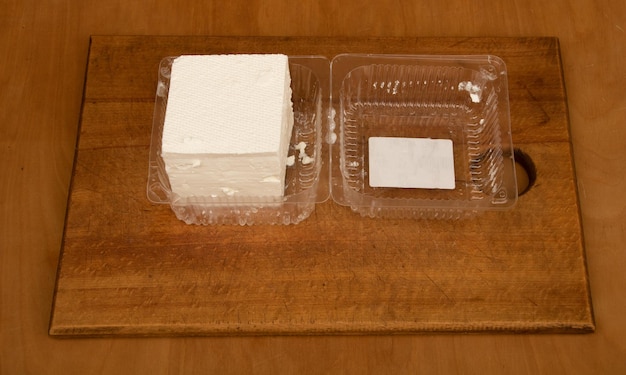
228	124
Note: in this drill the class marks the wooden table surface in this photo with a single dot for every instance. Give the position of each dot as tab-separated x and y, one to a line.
44	47
129	267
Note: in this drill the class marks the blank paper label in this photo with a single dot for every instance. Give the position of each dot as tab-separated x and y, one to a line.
422	163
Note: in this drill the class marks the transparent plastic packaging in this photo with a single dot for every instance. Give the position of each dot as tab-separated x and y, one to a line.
303	186
460	98
339	105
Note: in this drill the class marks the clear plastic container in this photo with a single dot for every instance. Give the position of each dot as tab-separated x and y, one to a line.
339	106
459	98
303	185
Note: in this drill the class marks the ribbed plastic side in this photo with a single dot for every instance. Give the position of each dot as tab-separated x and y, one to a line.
243	215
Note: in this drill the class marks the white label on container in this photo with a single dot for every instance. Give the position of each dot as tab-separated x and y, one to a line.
411	163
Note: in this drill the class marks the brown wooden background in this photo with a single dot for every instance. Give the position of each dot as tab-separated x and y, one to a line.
44	47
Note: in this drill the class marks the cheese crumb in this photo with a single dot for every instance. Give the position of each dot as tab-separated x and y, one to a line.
474	90
302	155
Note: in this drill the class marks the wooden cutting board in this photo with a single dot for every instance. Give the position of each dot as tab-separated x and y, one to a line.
129	267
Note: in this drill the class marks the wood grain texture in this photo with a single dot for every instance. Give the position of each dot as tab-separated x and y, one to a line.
131	268
44	47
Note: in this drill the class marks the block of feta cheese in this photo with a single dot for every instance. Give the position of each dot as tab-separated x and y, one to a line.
228	125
